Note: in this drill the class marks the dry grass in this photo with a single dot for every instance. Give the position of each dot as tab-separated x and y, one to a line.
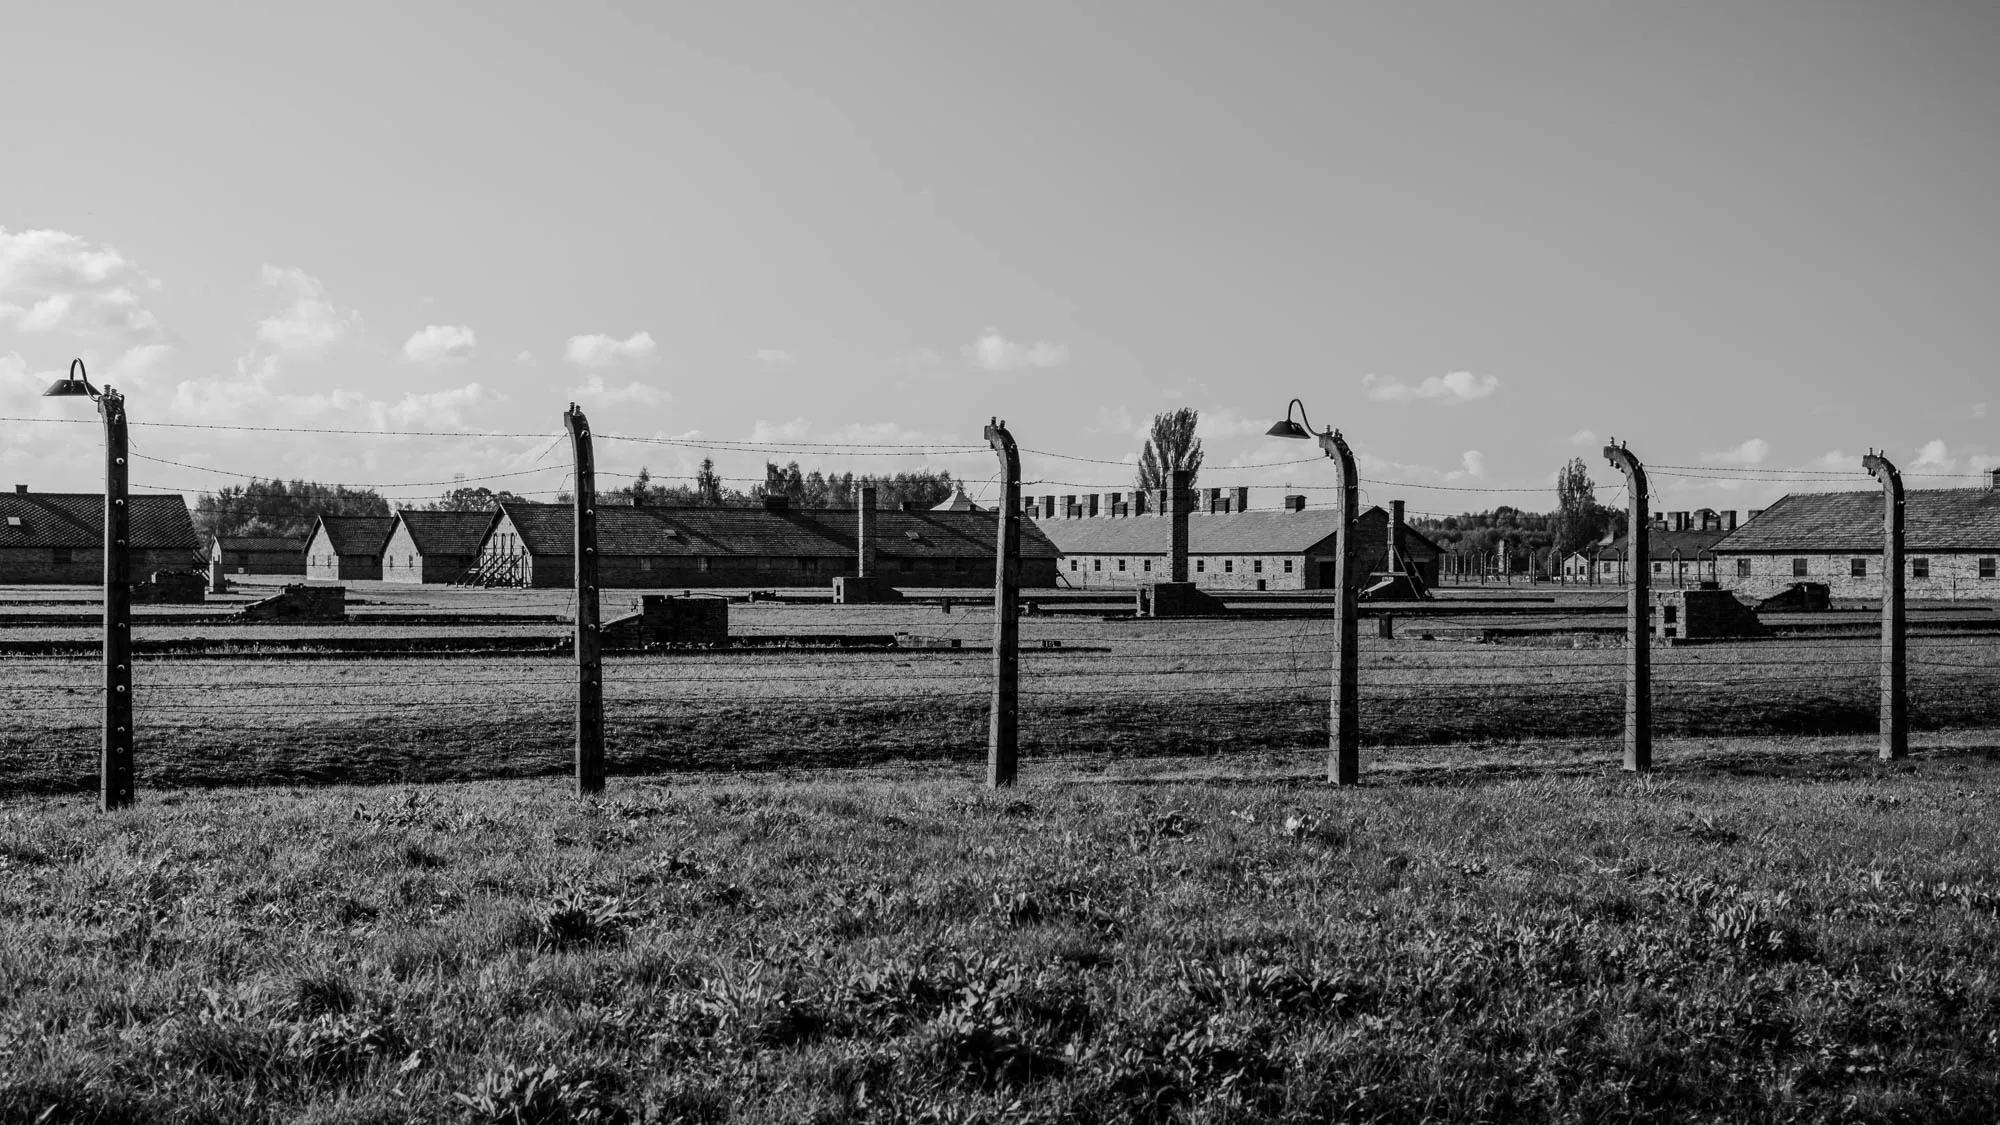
1810	942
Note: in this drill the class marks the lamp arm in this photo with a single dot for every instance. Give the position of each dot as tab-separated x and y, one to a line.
76	371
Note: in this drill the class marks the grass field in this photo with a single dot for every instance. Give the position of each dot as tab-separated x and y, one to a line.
1771	932
257	714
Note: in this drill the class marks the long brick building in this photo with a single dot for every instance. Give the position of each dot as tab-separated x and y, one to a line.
1105	545
1951	544
772	545
259	554
58	537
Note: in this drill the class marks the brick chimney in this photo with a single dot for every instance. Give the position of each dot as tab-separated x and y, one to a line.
1729	520
1139	506
21	489
1395	536
1295	503
1112	502
1993	480
864	533
1180	497
1069	507
1241	501
1214	501
1091	499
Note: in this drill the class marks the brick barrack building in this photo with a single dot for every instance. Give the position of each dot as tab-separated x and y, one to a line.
1951	544
58	537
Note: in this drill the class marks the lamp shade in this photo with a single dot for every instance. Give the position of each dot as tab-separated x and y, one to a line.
63	387
1286	428
77	382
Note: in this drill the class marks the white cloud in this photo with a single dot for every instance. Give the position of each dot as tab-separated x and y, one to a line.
524	358
1450	390
773	357
438	342
602	351
1474	462
1583	437
438	409
1225	424
1751	452
1985	462
1934	455
310	321
53	281
1119	421
994	352
634	392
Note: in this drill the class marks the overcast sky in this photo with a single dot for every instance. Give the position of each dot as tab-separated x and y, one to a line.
1480	238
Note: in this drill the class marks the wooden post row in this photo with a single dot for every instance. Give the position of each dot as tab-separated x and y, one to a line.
589	657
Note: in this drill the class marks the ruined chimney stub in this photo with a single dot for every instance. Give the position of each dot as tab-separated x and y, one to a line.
864	533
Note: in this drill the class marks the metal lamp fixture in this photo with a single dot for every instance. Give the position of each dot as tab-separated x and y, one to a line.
1285	429
1343	766
115	763
77	382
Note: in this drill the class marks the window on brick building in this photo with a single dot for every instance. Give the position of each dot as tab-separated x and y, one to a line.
1986	568
1258	566
1121	564
1657	567
1072	564
1742	568
1857	568
1201	566
1229	566
1798	568
1288	566
1920	568
1097	564
1147	565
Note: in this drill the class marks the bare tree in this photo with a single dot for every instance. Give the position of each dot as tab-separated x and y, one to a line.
1171	447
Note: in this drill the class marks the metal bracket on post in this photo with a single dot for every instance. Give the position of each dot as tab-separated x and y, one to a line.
1343	766
1895	714
1003	731
115	771
589	658
1638	612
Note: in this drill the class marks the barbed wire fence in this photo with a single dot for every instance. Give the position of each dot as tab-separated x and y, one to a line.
388	697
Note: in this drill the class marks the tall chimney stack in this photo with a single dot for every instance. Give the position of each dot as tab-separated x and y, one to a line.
864	533
1395	536
1180	497
1240	502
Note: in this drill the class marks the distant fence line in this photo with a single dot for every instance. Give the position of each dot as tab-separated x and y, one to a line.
1274	670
